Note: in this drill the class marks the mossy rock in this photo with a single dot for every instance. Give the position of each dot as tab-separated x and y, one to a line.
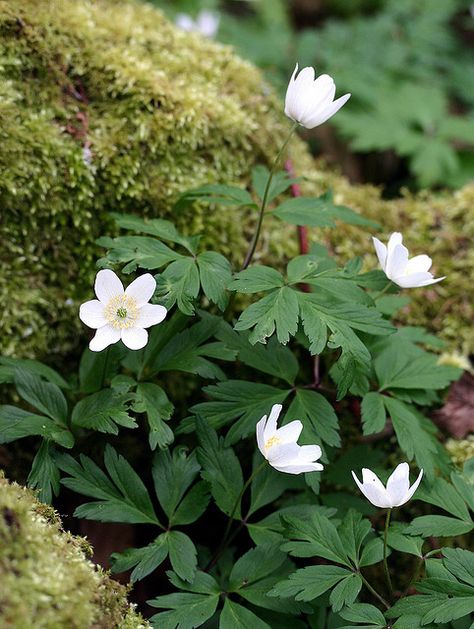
100	114
47	580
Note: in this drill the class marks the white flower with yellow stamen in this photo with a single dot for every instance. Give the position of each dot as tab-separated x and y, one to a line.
121	314
279	447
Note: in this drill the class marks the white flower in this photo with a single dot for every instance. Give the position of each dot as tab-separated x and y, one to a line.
117	314
279	447
398	490
397	267
311	102
206	23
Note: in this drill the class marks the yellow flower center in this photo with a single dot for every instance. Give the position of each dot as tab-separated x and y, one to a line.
121	312
273	441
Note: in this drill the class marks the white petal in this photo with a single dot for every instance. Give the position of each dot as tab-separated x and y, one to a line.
284	454
397	260
395	239
107	285
104	337
142	289
419	264
329	111
290	94
381	251
92	314
299	468
185	22
309	454
271	426
291	432
314	101
150	314
134	338
398	484
259	429
373	489
416	280
414	487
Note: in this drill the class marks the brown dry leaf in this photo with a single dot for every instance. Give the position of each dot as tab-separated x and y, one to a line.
457	415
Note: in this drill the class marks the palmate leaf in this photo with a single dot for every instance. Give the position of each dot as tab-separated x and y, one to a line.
188	609
136	252
8	366
319	419
188	351
104	411
374	415
308	583
220	194
15	423
179	284
122	499
238	400
47	397
215	274
281	181
366	614
144	560
158	227
235	616
272	358
318	212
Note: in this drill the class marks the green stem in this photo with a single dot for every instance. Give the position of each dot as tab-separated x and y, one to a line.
253	244
383	291
374	591
105	367
385	565
226	539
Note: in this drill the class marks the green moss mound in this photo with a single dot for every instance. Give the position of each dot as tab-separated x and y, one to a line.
47	580
104	105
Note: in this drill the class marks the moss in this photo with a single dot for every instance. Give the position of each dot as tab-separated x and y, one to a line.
47	580
461	450
101	114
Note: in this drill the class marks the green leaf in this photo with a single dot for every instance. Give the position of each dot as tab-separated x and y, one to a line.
373	413
422	372
319	419
152	400
45	396
268	485
143	560
158	227
460	563
215	274
187	611
308	583
183	555
318	212
219	194
281	181
404	543
221	468
104	411
345	592
445	495
15	423
243	403
125	499
179	284
44	474
192	506
314	536
234	616
187	351
352	532
257	279
172	476
272	358
8	366
96	368
364	613
412	437
136	252
277	311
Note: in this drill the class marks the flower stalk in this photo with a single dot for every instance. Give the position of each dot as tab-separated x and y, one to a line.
253	244
385	564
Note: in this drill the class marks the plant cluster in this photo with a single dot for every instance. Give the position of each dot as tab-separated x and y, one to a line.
259	525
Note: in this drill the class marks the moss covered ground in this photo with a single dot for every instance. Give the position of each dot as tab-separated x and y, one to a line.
47	580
